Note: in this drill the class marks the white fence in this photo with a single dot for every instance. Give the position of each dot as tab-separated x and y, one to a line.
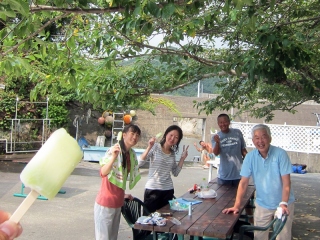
305	139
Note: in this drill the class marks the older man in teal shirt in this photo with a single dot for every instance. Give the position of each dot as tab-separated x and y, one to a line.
270	168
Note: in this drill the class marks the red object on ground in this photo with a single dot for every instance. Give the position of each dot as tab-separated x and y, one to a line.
101	120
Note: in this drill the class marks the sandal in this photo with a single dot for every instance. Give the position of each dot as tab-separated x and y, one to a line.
205	167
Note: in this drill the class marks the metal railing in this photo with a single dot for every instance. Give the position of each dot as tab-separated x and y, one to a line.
28	135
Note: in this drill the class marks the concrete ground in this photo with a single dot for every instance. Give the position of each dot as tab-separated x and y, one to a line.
69	216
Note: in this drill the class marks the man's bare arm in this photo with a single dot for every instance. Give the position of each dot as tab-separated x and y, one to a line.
242	189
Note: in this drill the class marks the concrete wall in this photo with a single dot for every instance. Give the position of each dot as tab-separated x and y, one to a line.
311	160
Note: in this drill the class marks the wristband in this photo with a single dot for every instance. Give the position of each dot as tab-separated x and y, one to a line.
283	203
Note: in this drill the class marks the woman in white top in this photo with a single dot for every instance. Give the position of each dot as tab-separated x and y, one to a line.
159	187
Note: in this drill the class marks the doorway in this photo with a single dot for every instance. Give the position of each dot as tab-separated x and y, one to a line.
193	131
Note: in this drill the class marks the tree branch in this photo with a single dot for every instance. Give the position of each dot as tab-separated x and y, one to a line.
178	52
40	8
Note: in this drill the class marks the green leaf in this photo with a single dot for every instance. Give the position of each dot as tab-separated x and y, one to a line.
191	32
3	16
116	95
207	17
96	97
285	42
25	64
238	70
31	57
317	83
20	6
82	2
33	95
59	3
263	39
72	81
272	3
7	13
147	28
168	10
226	6
271	38
248	2
153	8
44	51
252	22
40	41
233	15
38	55
108	64
71	42
8	66
137	11
239	4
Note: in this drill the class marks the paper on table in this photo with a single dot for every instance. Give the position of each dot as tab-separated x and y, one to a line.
207	194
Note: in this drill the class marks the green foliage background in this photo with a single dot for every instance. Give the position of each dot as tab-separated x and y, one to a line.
100	52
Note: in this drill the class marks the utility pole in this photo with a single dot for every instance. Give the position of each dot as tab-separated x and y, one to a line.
231	107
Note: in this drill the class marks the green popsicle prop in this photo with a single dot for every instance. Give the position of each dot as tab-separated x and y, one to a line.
158	135
49	169
119	136
104	160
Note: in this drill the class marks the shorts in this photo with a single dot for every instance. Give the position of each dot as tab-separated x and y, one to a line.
234	182
155	199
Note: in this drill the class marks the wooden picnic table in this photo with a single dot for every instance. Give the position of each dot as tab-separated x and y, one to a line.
207	218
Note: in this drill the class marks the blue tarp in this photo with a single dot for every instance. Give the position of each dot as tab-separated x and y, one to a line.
296	168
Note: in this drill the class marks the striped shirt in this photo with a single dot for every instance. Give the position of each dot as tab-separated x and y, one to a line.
161	164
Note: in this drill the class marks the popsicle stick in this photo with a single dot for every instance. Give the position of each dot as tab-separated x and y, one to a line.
24	206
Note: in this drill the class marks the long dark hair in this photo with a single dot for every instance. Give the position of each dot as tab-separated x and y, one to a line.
174	148
128	128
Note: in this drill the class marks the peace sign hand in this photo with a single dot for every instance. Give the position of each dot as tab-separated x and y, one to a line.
184	154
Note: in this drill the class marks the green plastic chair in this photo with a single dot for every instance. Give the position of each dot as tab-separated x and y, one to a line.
250	205
131	211
244	230
276	224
